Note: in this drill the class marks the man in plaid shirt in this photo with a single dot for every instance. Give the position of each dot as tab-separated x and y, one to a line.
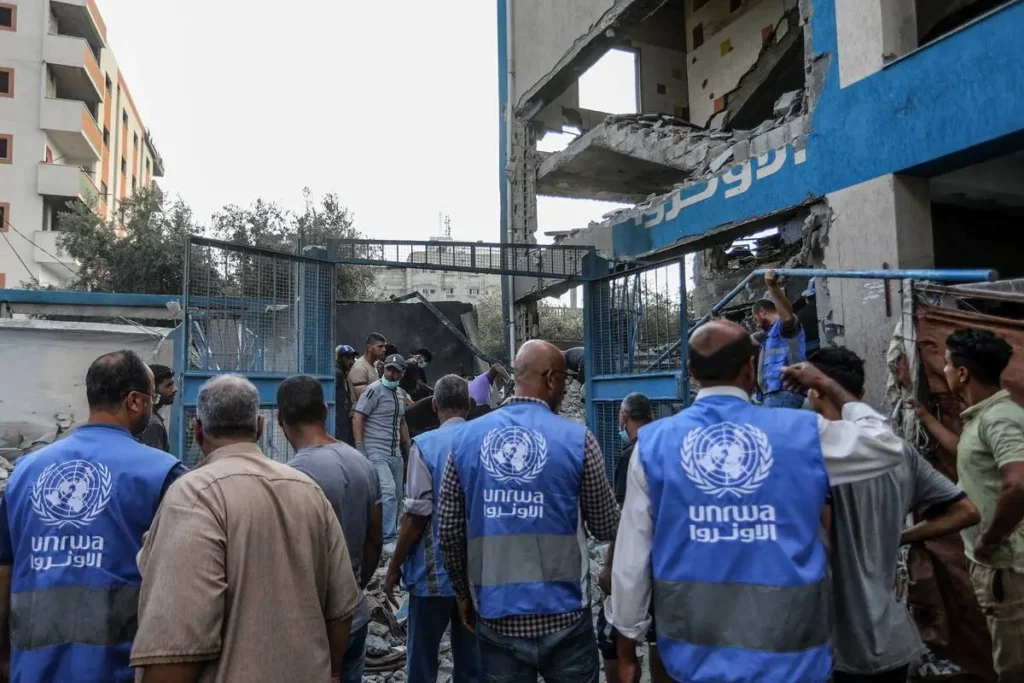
517	491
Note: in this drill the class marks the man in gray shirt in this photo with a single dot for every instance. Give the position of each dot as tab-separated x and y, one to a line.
350	483
874	637
381	434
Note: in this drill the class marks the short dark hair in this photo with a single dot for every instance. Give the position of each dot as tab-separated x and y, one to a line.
161	373
763	306
424	353
300	401
841	365
983	353
390	349
113	376
375	338
725	363
637	407
409	377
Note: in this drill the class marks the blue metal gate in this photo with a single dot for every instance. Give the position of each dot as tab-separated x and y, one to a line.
263	314
632	321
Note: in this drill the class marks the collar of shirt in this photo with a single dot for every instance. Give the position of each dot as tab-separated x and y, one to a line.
734	392
452	421
980	407
247	449
512	400
113	428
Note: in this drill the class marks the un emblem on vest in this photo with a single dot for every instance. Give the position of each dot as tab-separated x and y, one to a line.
71	493
727	458
514	454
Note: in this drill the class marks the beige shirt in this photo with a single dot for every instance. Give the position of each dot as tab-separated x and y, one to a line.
992	437
244	565
362	373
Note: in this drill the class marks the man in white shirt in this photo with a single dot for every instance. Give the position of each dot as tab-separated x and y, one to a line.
722	522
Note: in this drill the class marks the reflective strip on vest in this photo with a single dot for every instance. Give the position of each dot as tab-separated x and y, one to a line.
524	559
743	615
74	615
427	539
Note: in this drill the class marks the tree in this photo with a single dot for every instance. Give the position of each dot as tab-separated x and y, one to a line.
265	224
140	249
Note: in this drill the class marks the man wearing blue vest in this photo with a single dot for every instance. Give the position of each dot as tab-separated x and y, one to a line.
516	493
71	525
721	527
417	559
783	345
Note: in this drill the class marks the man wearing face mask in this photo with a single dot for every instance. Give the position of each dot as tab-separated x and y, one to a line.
73	607
155	434
382	435
518	488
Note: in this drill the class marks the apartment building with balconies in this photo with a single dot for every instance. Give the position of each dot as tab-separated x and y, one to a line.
69	130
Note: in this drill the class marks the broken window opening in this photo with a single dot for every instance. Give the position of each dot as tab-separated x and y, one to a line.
610	85
938	19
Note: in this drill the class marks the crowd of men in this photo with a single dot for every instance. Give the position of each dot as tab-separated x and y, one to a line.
116	563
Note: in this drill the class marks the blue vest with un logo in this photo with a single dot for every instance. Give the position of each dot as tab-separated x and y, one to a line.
77	511
776	349
423	570
521	468
740	586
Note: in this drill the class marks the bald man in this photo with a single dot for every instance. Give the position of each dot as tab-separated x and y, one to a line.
722	521
517	490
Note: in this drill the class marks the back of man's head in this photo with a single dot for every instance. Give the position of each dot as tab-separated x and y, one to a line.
719	353
637	407
843	366
982	352
300	401
451	395
113	376
228	406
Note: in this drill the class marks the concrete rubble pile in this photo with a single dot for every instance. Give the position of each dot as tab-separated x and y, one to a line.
704	152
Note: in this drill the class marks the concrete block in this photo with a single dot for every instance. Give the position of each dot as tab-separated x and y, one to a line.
798	127
741	151
759	145
786	102
778	138
720	159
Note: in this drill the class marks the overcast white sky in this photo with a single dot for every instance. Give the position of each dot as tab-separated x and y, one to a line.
393	105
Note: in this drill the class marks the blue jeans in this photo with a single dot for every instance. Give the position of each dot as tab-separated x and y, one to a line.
355	657
390	473
568	656
783	399
428	618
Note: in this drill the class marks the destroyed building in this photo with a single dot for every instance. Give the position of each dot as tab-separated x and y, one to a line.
846	135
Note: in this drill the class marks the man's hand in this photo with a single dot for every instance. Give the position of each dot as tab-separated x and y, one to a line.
468	615
919	408
803	376
770	278
984	549
391	579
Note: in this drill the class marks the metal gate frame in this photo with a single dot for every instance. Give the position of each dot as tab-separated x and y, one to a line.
251	289
614	373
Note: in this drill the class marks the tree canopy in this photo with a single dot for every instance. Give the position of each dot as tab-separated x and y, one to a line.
141	248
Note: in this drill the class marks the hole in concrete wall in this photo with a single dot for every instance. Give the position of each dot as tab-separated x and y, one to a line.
556	142
936	19
610	85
